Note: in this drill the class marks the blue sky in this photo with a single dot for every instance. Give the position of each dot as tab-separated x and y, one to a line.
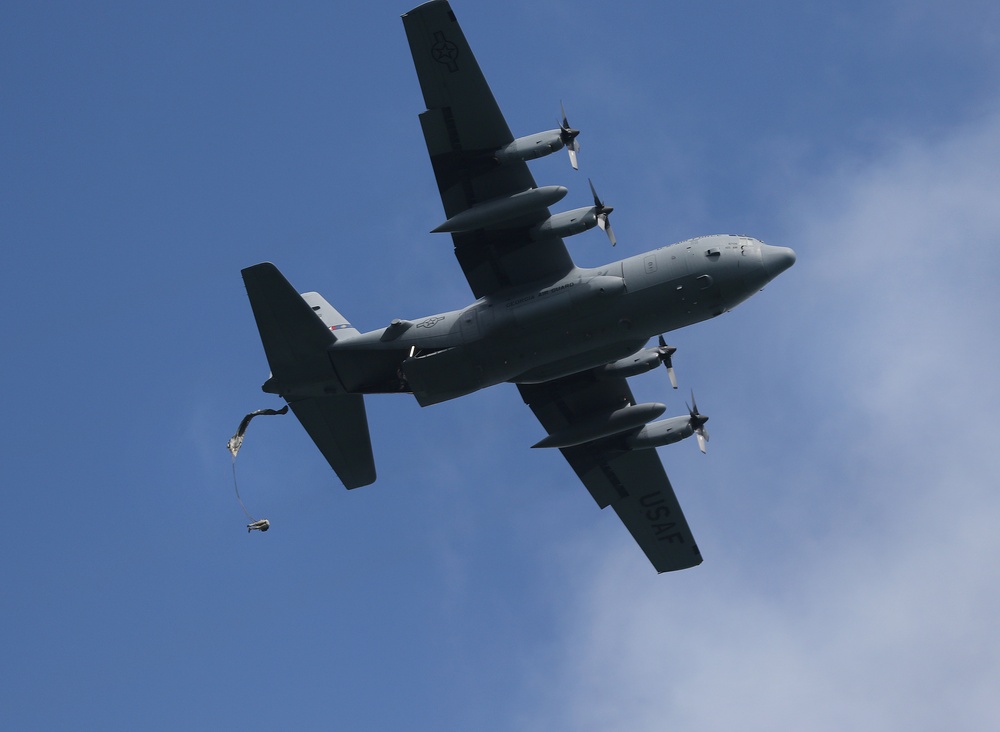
848	504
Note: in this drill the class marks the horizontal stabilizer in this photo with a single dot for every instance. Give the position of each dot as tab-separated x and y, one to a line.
339	427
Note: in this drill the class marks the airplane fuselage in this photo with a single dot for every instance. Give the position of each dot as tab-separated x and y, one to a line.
585	319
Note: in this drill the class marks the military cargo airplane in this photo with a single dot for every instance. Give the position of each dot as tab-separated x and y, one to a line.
567	336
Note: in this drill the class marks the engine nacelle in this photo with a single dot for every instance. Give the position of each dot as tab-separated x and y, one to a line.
638	363
566	224
531	147
503	209
664	432
613	423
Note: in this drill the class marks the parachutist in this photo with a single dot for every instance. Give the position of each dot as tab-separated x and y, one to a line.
262	525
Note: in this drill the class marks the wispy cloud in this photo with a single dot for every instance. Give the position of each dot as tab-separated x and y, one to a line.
880	610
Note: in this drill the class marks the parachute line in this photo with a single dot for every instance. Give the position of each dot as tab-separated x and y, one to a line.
237	487
234	444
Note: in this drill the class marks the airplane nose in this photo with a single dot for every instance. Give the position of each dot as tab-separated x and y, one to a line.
776	259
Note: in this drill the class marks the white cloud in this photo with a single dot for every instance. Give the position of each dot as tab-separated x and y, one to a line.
885	617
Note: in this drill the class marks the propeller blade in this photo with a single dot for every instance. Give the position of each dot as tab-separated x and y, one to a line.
568	137
597	199
697	422
702	439
605	225
602	212
666	353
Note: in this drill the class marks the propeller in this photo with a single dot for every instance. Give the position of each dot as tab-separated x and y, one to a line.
568	137
602	212
697	422
665	353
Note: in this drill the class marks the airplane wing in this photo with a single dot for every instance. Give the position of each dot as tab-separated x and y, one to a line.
632	482
463	127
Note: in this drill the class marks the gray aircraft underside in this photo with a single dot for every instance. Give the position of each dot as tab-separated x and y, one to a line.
567	336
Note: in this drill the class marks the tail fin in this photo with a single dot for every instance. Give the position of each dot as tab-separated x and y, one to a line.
295	339
296	333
